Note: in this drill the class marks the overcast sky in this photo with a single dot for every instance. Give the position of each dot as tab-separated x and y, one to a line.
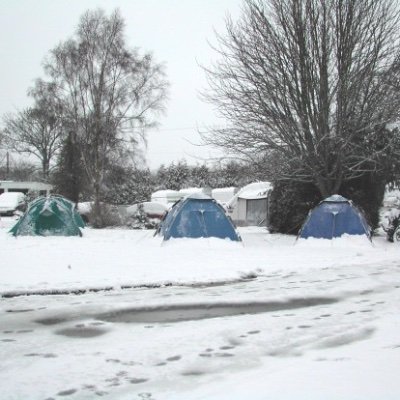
176	31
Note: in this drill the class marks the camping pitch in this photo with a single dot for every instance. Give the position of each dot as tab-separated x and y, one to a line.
334	217
196	216
49	216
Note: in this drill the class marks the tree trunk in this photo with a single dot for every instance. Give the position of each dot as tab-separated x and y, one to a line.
45	168
328	187
97	209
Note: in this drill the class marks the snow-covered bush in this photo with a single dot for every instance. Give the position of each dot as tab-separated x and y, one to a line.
391	224
140	219
289	205
109	216
31	195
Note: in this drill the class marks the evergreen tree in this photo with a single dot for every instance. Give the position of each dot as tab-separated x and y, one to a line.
289	205
68	178
161	177
128	185
200	176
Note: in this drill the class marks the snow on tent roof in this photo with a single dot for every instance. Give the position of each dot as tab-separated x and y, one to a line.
196	216
336	198
49	216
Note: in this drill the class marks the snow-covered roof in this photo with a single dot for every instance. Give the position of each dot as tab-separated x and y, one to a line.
187	191
166	196
224	190
223	194
198	196
165	193
257	190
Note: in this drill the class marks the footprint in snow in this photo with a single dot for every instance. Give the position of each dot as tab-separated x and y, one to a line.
136	381
81	332
193	372
224	355
97	323
44	355
145	396
113	360
66	392
174	358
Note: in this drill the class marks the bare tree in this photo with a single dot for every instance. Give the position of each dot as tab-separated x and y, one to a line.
110	94
308	81
36	130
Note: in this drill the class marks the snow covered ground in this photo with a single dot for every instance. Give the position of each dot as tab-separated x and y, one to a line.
198	319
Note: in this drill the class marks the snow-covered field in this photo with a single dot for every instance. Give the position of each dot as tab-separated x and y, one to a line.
198	319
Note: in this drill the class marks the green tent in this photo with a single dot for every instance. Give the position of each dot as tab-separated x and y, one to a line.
49	216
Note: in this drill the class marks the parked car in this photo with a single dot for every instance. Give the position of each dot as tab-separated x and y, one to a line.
147	214
10	202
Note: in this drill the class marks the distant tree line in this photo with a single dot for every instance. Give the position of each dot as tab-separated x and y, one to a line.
130	185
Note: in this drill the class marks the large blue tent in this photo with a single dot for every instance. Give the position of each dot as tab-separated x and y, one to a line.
198	216
334	217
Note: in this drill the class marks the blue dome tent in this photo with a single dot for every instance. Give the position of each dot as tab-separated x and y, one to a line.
197	216
334	217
